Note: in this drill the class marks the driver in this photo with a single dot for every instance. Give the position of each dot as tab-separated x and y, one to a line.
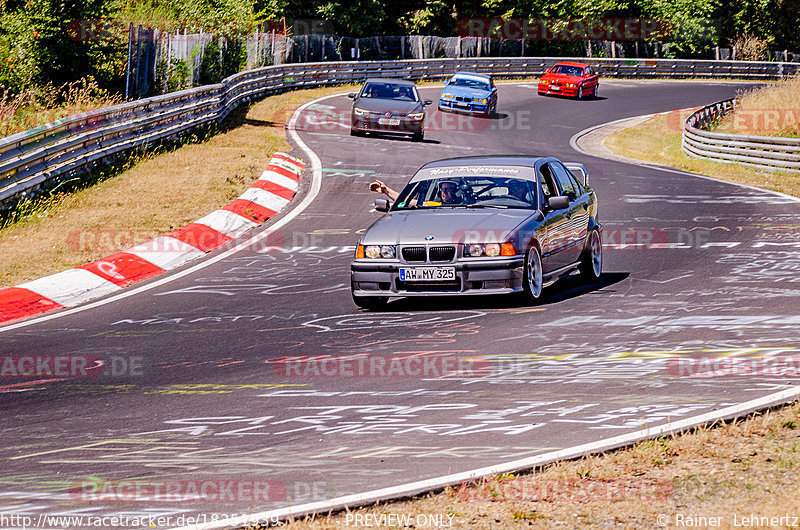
449	192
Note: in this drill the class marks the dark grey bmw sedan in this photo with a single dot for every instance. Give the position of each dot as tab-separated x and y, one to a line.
388	106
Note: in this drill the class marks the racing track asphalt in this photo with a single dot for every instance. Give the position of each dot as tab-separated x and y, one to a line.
212	400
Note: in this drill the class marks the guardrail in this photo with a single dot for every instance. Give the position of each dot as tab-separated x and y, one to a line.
41	157
761	151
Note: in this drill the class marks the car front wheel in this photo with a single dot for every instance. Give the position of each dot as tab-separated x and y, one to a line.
532	281
592	259
580	92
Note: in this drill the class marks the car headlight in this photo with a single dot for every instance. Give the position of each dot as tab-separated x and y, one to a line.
544	82
445	95
480	100
417	116
570	85
376	251
473	250
360	112
492	250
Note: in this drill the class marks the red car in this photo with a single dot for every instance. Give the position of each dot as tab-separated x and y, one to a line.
569	79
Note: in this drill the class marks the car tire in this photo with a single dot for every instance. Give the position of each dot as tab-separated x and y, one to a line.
580	92
418	137
354	132
372	303
594	92
533	278
592	258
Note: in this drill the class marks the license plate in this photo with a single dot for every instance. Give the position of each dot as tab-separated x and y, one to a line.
428	274
462	105
388	121
555	88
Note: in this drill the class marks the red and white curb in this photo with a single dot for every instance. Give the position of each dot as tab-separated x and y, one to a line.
266	197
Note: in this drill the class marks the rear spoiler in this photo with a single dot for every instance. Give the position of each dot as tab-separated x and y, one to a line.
580	171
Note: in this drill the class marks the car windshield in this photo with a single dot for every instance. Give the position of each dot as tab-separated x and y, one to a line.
467	192
394	91
568	70
469	83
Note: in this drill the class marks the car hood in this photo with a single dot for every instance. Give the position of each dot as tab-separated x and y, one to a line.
444	225
466	91
563	78
388	105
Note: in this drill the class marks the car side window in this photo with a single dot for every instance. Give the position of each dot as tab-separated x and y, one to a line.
548	188
563	176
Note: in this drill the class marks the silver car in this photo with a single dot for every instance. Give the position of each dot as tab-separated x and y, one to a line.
480	225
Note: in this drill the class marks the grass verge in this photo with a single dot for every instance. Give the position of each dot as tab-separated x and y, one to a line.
770	110
152	193
658	140
741	469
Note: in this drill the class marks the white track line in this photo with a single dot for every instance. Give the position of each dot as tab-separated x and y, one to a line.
316	185
573	142
403	490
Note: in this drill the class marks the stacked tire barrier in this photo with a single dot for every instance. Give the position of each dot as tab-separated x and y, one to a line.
46	155
761	151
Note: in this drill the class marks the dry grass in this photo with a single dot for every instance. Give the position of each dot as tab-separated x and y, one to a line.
29	109
658	140
743	468
156	195
771	110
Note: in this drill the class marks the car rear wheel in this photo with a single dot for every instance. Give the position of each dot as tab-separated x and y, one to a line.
532	281
592	259
370	302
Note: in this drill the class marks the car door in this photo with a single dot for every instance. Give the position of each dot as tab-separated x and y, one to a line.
577	216
556	237
591	77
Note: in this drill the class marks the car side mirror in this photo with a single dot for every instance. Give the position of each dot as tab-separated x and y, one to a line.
427	102
558	203
352	95
382	205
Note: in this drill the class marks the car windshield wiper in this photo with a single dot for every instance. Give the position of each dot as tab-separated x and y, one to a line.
487	206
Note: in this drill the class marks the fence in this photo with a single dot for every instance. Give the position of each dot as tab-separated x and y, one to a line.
163	61
41	157
762	151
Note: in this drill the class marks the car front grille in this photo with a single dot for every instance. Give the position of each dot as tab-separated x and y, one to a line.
414	254
460	98
442	253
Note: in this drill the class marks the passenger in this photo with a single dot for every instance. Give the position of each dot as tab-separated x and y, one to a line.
379	187
518	190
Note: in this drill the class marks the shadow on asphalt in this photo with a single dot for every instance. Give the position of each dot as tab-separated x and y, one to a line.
564	289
